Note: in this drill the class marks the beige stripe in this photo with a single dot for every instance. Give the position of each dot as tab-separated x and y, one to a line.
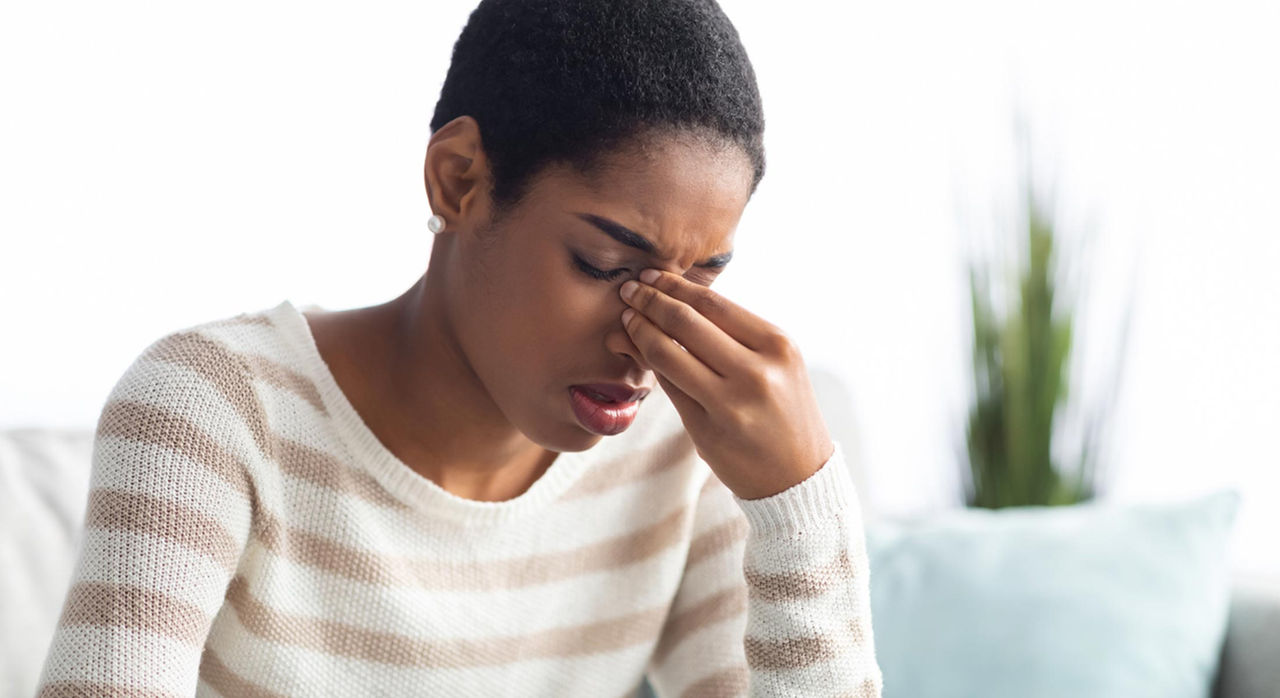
285	378
227	682
297	459
143	513
796	653
867	688
726	683
88	689
346	640
791	586
728	535
720	537
224	369
141	423
669	453
361	565
857	630
106	605
305	462
319	468
718	607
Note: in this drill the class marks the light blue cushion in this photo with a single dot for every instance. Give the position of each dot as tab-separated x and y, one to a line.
1093	600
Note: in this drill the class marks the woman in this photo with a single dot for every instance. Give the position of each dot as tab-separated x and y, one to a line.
417	498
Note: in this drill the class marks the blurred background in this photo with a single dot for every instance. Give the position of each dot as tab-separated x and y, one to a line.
164	164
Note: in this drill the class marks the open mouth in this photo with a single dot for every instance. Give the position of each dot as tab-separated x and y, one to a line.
600	414
597	396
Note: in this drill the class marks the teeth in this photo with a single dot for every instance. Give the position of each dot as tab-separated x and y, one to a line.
599	397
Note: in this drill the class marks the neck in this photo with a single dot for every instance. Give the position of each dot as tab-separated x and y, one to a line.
435	413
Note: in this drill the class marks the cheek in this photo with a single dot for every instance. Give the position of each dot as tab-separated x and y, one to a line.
576	313
535	297
534	312
595	309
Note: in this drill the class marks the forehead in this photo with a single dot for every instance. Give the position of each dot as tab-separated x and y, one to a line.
684	196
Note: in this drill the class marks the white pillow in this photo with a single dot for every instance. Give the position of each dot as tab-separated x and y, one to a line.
44	489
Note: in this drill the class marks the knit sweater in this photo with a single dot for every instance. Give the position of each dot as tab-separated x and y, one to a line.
247	534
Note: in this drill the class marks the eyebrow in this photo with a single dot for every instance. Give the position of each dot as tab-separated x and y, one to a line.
631	238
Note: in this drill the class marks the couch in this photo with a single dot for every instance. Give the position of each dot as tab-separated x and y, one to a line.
43	492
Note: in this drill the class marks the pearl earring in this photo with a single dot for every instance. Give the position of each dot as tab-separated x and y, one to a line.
435	224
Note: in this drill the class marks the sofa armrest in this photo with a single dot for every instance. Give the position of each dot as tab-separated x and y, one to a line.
1249	666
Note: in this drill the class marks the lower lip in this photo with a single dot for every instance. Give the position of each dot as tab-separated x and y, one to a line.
604	418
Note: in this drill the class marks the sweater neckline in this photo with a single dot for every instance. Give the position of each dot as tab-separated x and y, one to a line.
406	484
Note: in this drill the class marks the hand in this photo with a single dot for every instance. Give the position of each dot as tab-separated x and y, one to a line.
739	383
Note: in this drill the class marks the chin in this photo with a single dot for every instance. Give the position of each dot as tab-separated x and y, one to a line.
563	438
588	441
581	441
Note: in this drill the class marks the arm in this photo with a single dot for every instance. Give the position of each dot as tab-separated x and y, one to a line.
168	516
775	598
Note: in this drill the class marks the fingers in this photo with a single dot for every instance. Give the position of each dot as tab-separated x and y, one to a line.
678	366
681	322
747	328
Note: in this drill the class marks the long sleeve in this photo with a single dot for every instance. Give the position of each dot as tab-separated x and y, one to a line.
168	515
775	596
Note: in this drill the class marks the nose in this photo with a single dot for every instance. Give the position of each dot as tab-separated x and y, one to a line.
618	341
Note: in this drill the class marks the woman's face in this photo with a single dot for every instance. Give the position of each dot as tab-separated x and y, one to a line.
536	308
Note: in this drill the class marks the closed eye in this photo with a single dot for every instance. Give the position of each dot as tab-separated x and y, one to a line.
595	273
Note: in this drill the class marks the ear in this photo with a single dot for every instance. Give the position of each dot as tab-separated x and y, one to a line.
456	173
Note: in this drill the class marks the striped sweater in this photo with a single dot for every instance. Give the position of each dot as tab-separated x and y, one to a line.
247	534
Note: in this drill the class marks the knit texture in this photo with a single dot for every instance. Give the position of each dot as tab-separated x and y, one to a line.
247	534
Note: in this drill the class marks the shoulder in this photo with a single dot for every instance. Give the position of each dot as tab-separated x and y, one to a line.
218	354
230	354
185	418
198	380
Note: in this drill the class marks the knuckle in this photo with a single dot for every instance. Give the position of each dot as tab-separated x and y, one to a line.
766	380
711	304
757	381
643	299
681	318
743	421
780	344
643	336
738	421
657	349
778	379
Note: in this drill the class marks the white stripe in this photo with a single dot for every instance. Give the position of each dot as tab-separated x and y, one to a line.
170	476
289	669
291	588
166	567
708	649
122	655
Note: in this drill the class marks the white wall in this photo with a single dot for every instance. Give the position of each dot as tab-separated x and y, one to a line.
162	164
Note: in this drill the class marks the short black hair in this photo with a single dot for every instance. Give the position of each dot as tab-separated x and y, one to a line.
565	81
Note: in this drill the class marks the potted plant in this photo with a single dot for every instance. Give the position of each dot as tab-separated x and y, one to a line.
1020	357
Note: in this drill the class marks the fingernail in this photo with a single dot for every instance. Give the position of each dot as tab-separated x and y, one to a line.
628	290
649	275
627	315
